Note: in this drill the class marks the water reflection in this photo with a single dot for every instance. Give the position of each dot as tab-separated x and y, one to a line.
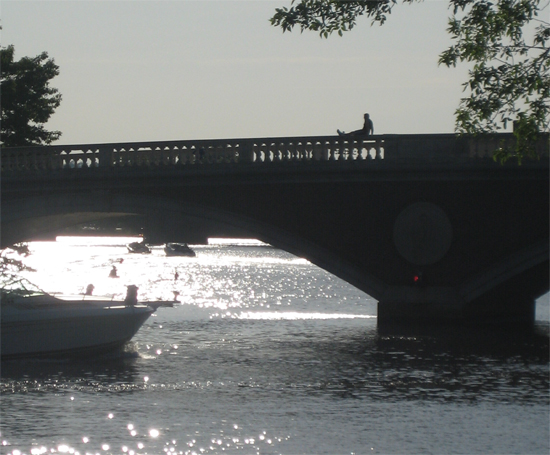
450	364
96	374
432	364
268	367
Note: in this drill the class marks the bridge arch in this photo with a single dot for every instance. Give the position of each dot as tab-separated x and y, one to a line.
44	214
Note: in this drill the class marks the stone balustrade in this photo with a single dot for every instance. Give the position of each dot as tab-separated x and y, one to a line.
189	153
253	151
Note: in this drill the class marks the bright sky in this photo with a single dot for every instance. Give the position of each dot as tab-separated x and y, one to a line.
209	69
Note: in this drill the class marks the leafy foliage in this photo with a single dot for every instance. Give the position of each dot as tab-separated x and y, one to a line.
329	16
509	81
11	263
28	101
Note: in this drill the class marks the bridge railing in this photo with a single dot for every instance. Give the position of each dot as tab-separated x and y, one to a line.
260	151
190	153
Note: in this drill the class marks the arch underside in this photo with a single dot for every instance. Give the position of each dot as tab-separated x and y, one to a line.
34	217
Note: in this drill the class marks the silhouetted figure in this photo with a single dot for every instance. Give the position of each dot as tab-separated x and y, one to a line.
131	295
89	289
176	275
367	130
113	273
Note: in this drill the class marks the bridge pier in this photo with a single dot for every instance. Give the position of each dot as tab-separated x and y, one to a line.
517	312
511	303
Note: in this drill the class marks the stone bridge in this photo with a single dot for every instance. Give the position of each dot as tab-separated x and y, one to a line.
429	225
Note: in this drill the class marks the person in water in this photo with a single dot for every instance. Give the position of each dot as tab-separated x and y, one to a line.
113	273
367	130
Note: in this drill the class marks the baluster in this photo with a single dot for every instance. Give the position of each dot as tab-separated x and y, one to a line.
352	146
290	151
219	154
367	149
379	151
192	154
331	150
263	153
309	151
210	155
317	151
123	157
362	151
175	155
117	161
301	150
165	156
95	158
63	159
343	150
340	151
130	157
182	156
277	151
56	161
282	150
246	152
375	152
235	153
50	161
187	155
226	153
136	157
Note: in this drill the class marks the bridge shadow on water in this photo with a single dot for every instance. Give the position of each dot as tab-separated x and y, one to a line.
446	364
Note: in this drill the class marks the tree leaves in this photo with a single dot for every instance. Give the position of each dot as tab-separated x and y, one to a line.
509	80
330	16
28	101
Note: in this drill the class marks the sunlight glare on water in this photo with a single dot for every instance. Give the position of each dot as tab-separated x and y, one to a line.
265	353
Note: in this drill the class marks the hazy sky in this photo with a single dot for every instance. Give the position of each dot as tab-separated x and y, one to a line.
167	70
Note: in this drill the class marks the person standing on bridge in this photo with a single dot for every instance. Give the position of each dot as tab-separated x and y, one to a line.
367	130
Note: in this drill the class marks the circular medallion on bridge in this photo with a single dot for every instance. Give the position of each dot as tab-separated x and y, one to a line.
422	233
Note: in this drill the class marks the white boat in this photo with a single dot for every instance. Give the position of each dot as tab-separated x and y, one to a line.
36	324
178	249
138	247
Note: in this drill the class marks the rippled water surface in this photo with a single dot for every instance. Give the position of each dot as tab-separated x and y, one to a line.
267	354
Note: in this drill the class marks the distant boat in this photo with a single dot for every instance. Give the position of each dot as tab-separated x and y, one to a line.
138	247
37	324
178	249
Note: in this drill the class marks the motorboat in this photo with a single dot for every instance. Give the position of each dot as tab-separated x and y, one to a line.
178	249
37	324
138	247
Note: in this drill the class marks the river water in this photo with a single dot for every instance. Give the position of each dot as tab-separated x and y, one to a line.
268	354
